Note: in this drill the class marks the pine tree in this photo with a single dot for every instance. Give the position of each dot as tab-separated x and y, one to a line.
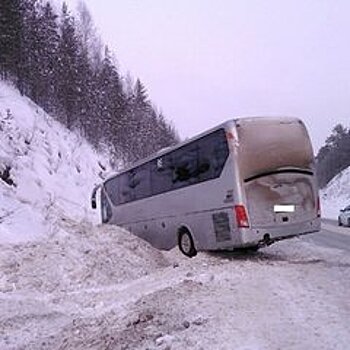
112	102
48	60
91	42
30	50
10	38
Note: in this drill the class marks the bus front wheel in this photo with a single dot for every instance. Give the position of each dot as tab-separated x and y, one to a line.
185	242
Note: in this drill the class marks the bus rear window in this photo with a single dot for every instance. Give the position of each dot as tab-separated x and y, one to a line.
270	144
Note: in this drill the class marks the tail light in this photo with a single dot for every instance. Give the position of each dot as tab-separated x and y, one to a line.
241	216
318	207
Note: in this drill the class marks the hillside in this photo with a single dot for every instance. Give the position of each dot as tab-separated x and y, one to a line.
336	195
50	171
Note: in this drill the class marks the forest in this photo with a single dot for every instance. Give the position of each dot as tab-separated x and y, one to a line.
59	61
334	156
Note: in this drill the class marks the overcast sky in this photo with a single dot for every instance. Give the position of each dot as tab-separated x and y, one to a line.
206	61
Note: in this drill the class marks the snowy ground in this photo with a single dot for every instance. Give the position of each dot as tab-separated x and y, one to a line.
101	288
67	283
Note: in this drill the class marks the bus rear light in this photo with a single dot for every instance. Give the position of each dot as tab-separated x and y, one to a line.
241	216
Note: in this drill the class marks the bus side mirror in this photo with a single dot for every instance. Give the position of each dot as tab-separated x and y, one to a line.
93	204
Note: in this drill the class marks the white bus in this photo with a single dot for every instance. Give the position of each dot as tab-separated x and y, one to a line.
246	183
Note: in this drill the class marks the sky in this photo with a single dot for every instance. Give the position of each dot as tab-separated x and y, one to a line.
206	61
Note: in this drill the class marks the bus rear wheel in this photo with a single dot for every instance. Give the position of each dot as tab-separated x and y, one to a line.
185	242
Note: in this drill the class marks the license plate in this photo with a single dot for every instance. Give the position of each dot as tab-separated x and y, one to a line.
283	208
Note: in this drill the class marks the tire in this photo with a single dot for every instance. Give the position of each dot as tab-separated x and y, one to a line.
185	242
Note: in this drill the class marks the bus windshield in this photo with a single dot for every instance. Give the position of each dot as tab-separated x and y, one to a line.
268	144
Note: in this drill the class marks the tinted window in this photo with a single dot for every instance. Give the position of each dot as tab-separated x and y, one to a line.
126	187
161	170
203	160
196	162
141	181
185	166
135	184
218	150
199	161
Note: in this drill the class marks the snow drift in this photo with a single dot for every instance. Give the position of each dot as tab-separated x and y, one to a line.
336	195
48	171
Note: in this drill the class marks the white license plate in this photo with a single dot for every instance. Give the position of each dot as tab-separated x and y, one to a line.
283	208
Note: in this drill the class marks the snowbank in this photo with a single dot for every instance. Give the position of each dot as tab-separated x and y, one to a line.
336	195
282	297
51	170
77	256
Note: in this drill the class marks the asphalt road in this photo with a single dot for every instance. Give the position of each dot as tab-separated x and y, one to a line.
331	235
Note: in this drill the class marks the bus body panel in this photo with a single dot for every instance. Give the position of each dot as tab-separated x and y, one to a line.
158	218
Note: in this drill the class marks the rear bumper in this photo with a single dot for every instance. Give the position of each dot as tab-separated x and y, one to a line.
268	235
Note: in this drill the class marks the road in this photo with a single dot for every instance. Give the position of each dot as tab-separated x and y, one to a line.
331	236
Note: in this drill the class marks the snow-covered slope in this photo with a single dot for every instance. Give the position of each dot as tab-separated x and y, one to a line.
336	195
50	170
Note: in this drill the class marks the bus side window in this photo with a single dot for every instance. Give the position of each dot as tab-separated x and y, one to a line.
185	168
204	159
133	179
142	181
161	176
125	191
219	153
213	152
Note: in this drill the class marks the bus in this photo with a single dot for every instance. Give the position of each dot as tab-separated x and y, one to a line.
246	183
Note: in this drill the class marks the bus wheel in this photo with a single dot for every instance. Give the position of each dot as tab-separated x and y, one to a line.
185	242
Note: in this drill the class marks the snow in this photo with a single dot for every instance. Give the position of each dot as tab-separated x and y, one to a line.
280	298
336	195
67	282
54	170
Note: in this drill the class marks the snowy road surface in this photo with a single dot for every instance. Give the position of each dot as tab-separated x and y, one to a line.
331	236
101	288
